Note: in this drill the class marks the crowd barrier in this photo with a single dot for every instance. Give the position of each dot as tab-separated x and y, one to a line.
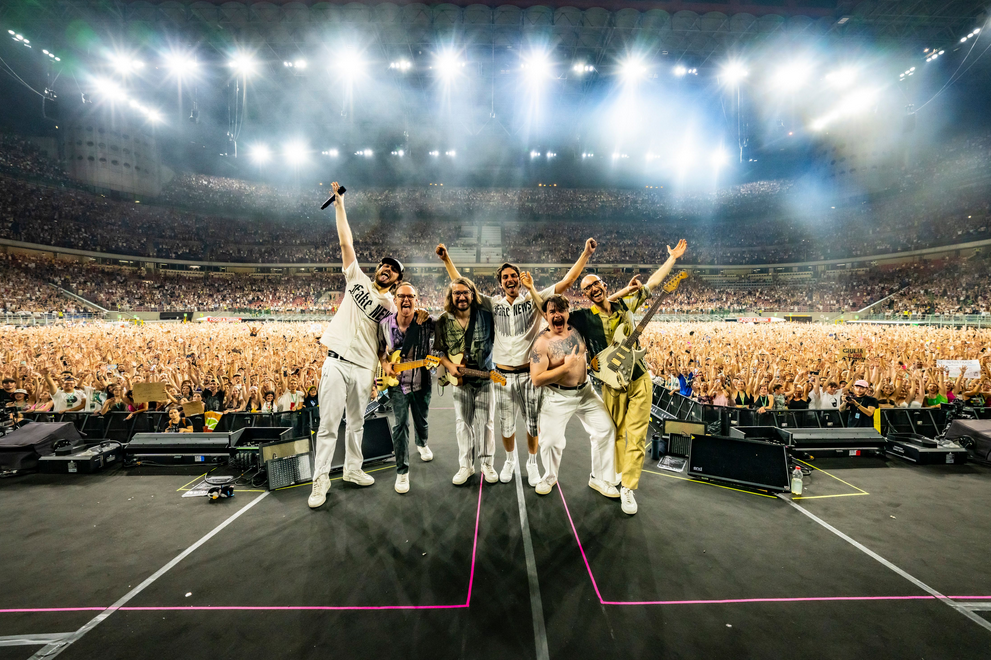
116	426
929	422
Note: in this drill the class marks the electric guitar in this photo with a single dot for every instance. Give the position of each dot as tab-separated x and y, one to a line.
613	366
384	381
445	377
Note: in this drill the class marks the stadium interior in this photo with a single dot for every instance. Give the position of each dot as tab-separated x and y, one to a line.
166	250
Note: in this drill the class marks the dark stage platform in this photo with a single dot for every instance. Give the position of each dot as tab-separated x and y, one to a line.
878	559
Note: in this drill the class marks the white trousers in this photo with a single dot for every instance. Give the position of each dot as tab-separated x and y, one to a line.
556	411
474	418
344	389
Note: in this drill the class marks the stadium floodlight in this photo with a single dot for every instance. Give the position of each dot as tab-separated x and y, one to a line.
299	64
537	67
243	64
180	64
401	65
632	69
842	77
295	153
367	153
734	72
109	89
588	155
451	153
534	154
719	157
680	71
260	154
330	152
581	68
399	152
434	153
153	116
448	64
791	77
551	154
125	64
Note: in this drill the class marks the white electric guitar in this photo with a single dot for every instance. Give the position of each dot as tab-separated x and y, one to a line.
613	366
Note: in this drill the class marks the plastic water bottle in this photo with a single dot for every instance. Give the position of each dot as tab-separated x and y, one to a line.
796	481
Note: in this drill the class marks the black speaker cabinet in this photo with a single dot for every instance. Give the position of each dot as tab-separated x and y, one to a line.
754	463
376	441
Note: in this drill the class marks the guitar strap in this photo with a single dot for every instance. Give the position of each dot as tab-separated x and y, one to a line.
409	341
470	334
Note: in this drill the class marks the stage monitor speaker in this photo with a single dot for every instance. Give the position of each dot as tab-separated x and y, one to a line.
181	447
846	440
753	463
21	448
376	441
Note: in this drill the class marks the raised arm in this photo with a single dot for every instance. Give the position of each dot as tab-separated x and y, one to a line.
634	286
658	276
343	228
527	280
577	269
452	270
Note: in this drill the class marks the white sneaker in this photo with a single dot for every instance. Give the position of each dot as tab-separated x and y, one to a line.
319	493
606	489
532	473
544	487
629	502
402	483
462	475
489	473
359	477
506	475
425	453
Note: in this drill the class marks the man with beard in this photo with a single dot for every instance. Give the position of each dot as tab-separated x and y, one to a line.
629	408
410	332
557	362
347	374
517	323
465	328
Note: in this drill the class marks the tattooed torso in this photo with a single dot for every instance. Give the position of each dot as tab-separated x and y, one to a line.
552	350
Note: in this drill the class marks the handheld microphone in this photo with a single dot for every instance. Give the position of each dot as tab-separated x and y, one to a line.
340	191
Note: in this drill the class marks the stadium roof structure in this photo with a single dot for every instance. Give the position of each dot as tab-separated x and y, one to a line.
595	30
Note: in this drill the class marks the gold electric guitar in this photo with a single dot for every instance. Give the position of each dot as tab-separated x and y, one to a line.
445	377
613	366
384	381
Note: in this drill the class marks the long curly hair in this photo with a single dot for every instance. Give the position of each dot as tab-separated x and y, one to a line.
449	294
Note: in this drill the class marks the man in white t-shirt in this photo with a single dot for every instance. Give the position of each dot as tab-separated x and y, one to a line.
352	355
517	323
292	398
825	398
67	398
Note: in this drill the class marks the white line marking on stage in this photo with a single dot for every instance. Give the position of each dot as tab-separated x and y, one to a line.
39	639
536	605
976	607
967	612
53	649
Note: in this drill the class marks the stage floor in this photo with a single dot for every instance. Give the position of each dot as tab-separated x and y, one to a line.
881	558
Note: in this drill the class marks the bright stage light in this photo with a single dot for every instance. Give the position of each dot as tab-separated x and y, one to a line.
792	76
588	155
351	63
330	152
734	72
448	64
842	77
153	116
300	64
551	154
180	64
632	69
399	152
401	65
538	67
450	154
295	153
534	154
125	64
719	157
582	68
260	154
243	64
434	154
109	89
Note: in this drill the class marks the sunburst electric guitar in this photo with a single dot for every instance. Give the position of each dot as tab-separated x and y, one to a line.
384	381
614	365
445	377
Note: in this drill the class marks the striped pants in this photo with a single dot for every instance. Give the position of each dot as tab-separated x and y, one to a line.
474	417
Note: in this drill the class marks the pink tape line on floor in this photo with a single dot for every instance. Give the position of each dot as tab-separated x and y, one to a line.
263	608
731	601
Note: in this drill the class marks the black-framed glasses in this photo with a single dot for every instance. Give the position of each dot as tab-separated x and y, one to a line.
406	296
591	286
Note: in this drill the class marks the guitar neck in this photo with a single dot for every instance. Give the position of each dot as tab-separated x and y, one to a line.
631	341
476	373
404	366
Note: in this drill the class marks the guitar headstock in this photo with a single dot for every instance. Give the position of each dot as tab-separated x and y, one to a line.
431	361
497	378
673	283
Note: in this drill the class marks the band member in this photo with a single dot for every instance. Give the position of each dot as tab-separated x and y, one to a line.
411	333
347	374
629	408
557	363
465	328
517	323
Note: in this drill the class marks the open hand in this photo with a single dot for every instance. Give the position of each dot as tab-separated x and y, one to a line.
678	250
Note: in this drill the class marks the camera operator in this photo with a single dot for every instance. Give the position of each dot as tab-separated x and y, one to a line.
860	406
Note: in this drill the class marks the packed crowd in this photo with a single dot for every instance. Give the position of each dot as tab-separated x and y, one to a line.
276	366
925	287
801	366
942	201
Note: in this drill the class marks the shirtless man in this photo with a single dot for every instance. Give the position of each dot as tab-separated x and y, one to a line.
557	362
